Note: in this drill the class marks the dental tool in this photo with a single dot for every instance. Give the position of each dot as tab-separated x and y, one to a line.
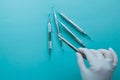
57	26
75	25
72	34
72	46
49	36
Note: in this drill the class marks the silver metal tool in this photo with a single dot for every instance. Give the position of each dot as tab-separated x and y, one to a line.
72	46
75	25
49	36
72	34
57	26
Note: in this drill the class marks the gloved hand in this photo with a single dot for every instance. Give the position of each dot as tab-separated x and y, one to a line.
102	64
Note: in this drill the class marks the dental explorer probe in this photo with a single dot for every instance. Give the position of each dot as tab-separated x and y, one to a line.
57	26
75	25
72	34
72	46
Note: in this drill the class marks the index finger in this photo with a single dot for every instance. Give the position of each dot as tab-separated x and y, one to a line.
89	55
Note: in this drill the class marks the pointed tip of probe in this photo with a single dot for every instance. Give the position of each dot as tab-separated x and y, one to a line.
89	37
48	17
60	13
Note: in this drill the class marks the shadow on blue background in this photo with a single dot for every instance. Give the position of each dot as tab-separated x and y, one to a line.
23	37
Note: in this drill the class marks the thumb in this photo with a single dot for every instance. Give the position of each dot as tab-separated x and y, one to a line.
81	63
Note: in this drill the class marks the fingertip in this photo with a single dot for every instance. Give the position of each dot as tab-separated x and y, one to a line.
110	49
114	55
82	49
77	54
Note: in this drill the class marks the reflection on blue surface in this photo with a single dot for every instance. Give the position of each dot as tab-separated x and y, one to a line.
23	37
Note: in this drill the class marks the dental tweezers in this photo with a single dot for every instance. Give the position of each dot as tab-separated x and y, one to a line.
72	34
75	25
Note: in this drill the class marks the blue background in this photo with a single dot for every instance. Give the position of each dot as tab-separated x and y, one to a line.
23	37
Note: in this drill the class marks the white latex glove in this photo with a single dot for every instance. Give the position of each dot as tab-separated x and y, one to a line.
102	64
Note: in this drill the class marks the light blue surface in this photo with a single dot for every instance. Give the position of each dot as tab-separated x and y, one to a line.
23	37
